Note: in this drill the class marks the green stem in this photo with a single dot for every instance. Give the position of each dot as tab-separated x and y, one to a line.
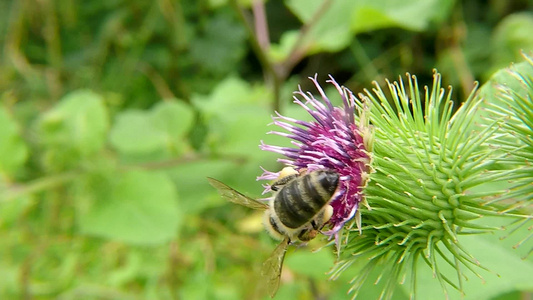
48	182
171	163
37	185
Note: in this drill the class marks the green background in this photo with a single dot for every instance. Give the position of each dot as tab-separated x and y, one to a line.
113	113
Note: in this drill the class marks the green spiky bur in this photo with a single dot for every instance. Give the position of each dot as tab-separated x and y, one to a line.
512	102
516	130
426	162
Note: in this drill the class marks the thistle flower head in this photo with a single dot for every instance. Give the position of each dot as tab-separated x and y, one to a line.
420	169
430	164
332	141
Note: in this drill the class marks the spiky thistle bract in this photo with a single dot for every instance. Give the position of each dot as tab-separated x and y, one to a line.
418	163
418	171
426	162
512	103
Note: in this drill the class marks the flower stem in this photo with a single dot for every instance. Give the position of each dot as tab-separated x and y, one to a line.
276	73
37	185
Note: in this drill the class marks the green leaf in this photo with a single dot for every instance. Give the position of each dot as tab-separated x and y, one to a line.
190	288
322	261
79	122
13	150
331	32
279	52
9	273
162	128
230	96
134	132
173	117
491	92
192	183
411	15
504	77
13	209
510	38
136	207
342	19
221	47
237	115
514	273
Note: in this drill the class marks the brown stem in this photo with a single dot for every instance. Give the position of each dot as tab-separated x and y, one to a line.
275	74
299	49
161	86
256	47
15	34
261	26
453	37
271	77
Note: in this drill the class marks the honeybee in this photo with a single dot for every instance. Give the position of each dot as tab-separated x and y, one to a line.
296	213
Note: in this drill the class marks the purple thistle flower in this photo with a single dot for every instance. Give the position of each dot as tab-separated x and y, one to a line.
331	141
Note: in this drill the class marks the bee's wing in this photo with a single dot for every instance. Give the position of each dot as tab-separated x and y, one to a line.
272	267
232	195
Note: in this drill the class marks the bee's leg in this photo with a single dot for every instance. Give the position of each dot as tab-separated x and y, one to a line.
272	227
307	234
276	186
314	224
319	220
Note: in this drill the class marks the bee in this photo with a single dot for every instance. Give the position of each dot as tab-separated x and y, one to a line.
297	211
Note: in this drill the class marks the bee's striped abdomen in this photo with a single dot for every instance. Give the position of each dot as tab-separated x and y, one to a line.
302	198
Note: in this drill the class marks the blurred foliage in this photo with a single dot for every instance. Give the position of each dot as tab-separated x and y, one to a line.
114	112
